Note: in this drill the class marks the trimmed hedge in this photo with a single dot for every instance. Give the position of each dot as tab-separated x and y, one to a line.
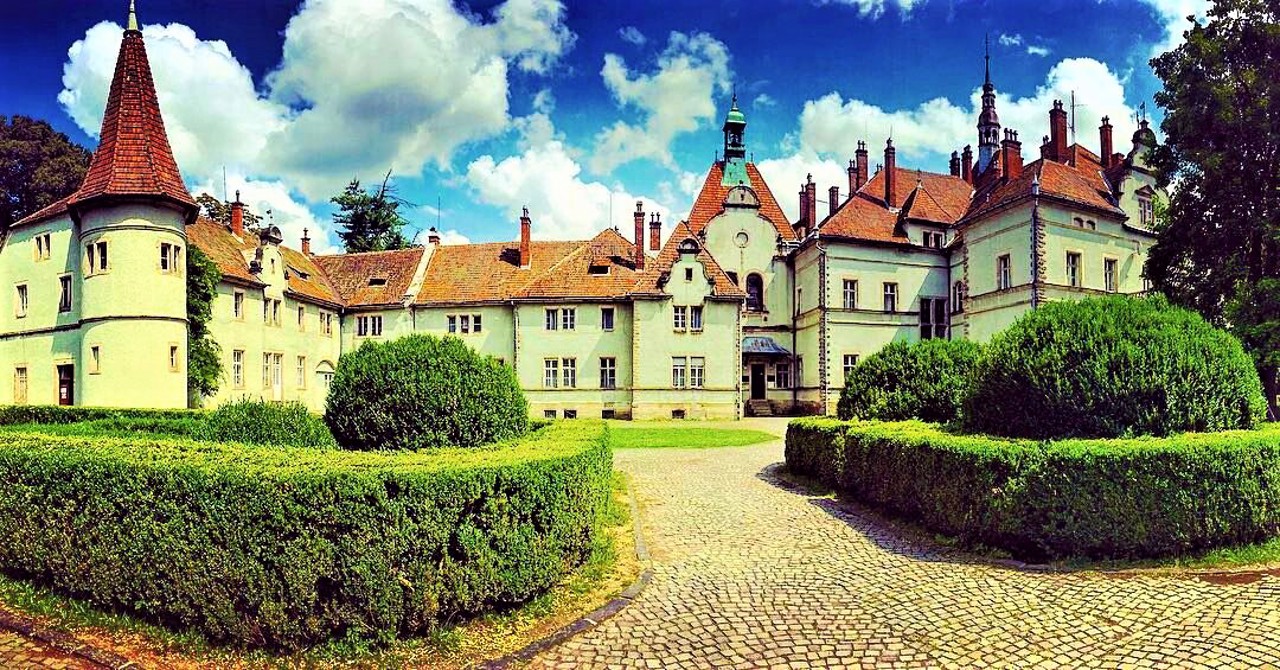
1098	498
1113	367
53	414
421	391
285	548
924	380
269	423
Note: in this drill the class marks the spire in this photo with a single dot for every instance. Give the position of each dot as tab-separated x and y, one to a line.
133	158
133	18
988	57
988	120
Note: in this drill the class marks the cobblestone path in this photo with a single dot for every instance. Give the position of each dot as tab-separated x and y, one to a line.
750	574
22	653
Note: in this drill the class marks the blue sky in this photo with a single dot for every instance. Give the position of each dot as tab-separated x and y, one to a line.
575	109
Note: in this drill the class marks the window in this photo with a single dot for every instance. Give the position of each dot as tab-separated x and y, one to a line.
173	358
20	303
1004	273
799	371
1073	269
569	368
168	258
680	319
275	312
277	370
464	323
302	372
890	297
608	373
97	252
1146	215
19	386
606	318
697	372
1110	275
302	317
266	371
326	379
237	368
695	318
934	239
851	294
552	321
368	326
548	414
64	293
957	297
755	293
95	359
475	323
571	414
933	318
608	413
326	323
850	362
568	318
782	375
237	305
688	274
43	246
270	311
733	277
453	323
551	373
679	368
677	414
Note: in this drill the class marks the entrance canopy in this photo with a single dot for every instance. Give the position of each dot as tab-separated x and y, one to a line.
762	346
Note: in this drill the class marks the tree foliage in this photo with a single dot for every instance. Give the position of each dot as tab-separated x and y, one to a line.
38	166
925	380
204	362
220	211
370	221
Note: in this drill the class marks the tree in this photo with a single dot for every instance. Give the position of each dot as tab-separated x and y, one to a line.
220	211
38	166
370	221
204	360
1220	236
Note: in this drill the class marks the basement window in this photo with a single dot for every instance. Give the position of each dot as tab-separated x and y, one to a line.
677	414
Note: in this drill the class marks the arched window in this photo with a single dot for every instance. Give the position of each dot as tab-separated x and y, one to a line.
755	292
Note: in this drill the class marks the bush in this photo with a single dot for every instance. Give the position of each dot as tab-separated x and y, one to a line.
119	427
57	414
288	547
261	422
1111	367
815	449
1099	498
926	380
421	391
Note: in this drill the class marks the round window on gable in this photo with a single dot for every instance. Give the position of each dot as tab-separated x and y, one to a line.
688	246
741	239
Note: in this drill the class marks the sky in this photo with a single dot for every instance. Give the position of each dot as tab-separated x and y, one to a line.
574	108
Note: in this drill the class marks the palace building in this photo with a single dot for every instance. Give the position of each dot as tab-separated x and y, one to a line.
739	311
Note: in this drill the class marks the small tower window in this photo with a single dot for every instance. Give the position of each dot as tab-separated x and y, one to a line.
755	293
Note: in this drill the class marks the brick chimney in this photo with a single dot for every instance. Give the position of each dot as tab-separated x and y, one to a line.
655	232
1011	154
890	174
803	221
955	163
811	200
833	199
853	178
433	236
639	238
861	154
306	243
1058	132
237	216
1104	133
966	164
526	226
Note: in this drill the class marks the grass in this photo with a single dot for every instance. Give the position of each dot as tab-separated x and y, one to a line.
699	435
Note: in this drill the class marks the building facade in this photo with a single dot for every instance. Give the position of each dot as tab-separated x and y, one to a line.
739	310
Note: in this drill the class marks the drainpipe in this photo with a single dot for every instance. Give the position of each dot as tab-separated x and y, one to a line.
1035	242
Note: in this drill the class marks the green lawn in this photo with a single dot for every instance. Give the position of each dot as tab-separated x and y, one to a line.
627	435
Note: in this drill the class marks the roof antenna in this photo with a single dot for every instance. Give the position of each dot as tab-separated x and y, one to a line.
133	18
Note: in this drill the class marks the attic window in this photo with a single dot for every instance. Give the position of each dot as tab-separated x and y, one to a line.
299	273
377	281
598	270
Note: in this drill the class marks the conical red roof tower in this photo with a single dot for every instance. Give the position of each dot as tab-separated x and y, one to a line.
133	158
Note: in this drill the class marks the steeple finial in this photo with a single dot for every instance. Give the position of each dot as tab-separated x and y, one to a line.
988	57
133	17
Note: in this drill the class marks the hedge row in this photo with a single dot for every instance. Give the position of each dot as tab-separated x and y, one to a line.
1112	498
287	547
57	414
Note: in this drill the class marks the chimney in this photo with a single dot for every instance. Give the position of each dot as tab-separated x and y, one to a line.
966	164
655	232
1011	154
811	202
853	178
433	236
890	174
1046	149
306	243
955	163
833	199
1058	132
861	153
803	221
1104	131
237	216
639	238
526	225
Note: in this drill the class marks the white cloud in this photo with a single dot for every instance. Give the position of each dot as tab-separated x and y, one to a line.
633	35
1016	40
1172	14
672	100
1038	50
1010	40
763	100
785	176
874	9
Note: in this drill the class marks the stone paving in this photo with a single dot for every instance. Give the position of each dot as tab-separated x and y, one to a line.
20	653
751	574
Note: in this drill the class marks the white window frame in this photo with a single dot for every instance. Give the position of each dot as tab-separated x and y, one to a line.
697	372
550	373
782	375
1111	275
607	323
695	318
21	300
237	305
891	297
21	385
848	363
679	317
237	368
850	293
1004	272
679	372
608	372
301	372
568	318
957	297
569	373
1074	263
551	319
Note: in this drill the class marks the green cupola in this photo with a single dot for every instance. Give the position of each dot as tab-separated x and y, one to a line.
735	149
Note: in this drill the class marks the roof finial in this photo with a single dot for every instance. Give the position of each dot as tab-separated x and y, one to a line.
133	17
988	40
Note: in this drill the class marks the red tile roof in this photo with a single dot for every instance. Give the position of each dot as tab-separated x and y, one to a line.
133	156
928	196
306	279
374	278
571	276
864	218
487	272
1082	185
650	283
53	209
217	242
710	201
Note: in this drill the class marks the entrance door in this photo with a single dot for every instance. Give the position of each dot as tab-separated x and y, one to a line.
757	381
66	384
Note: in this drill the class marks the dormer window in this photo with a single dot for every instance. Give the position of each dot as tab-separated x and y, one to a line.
598	270
1146	213
377	281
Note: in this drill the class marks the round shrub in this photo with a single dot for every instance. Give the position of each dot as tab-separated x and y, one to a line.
422	391
286	424
1112	367
926	380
